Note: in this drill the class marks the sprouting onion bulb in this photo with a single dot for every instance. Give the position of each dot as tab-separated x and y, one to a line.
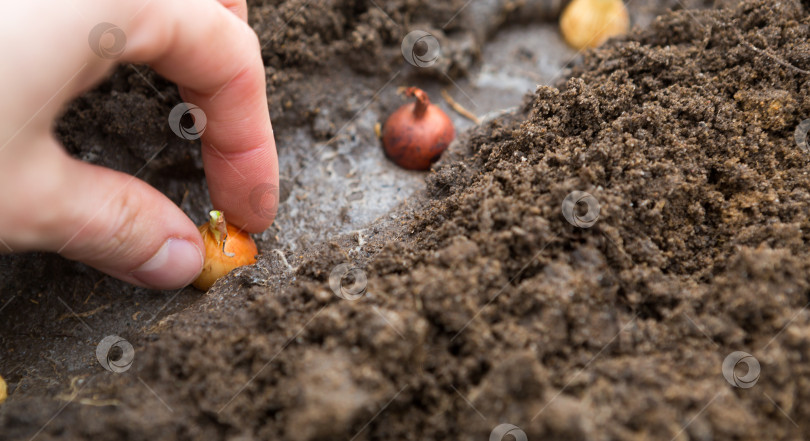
226	248
416	134
589	23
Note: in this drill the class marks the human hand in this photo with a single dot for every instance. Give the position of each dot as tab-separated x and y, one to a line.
107	219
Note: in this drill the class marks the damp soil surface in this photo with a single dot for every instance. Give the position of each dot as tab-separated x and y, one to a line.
578	267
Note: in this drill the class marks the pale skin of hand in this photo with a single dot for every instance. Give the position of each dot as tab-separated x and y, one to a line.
106	219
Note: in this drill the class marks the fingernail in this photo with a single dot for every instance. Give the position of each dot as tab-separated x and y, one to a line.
176	264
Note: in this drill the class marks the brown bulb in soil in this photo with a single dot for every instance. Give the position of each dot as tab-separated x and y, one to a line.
226	248
417	134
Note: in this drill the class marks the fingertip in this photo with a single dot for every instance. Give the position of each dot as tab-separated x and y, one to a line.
252	224
176	264
238	7
122	226
252	208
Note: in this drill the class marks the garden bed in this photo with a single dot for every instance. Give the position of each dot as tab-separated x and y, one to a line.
488	299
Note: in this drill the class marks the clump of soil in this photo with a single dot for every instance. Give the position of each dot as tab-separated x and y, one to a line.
484	305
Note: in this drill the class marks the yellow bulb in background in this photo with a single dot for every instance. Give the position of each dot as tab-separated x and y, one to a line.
589	23
3	390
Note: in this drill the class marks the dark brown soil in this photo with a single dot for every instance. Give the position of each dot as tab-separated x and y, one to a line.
484	305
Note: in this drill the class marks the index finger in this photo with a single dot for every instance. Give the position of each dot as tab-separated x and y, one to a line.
215	58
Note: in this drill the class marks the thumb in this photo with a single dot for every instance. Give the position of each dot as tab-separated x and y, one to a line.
122	226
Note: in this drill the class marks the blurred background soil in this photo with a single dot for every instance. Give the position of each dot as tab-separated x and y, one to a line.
483	305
